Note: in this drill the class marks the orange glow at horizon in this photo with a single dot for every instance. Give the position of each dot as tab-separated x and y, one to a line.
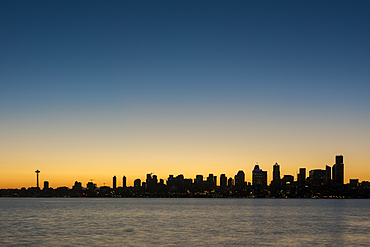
81	149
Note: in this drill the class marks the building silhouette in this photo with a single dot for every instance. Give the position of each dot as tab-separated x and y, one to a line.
317	180
301	177
37	178
276	173
259	180
328	175
240	180
114	182
46	185
137	183
230	182
223	181
325	183
276	181
338	171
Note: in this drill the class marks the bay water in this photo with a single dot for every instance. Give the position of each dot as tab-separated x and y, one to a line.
184	222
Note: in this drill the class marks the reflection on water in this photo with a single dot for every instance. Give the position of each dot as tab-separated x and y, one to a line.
176	221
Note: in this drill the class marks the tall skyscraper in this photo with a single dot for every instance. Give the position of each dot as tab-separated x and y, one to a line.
114	182
230	182
259	178
338	170
240	180
317	180
199	179
301	178
328	175
137	183
211	180
223	181
124	184
276	172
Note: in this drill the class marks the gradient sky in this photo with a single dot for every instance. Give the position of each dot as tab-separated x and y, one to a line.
93	89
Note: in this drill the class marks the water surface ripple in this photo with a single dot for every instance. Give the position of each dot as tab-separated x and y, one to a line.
183	221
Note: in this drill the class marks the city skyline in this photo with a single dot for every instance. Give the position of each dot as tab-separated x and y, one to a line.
317	183
332	174
93	89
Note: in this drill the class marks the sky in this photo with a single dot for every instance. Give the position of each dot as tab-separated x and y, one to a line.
91	89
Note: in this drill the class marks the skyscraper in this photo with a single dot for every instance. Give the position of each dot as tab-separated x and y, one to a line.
137	183
328	175
301	178
124	182
338	171
223	181
317	180
114	182
276	172
240	180
46	185
211	181
230	182
259	179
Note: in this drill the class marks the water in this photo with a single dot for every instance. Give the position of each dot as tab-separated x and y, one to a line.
187	221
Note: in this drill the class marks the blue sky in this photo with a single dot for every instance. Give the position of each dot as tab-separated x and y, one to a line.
279	67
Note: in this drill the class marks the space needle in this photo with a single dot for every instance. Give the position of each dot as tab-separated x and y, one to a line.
37	177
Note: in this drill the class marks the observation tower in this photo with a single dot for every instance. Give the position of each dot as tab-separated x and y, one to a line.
37	177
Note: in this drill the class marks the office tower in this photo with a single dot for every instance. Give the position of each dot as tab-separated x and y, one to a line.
276	172
276	181
223	181
151	181
301	178
77	186
124	185
338	171
155	179
240	180
230	182
137	183
46	185
288	179
259	178
287	183
210	180
91	186
114	182
328	175
339	159
353	182
317	179
199	179
37	178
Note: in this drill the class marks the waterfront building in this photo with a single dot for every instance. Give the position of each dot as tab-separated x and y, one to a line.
317	180
223	181
301	177
137	183
338	171
276	173
46	185
240	180
259	179
114	182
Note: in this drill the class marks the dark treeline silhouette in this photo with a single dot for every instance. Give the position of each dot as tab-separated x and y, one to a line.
326	183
